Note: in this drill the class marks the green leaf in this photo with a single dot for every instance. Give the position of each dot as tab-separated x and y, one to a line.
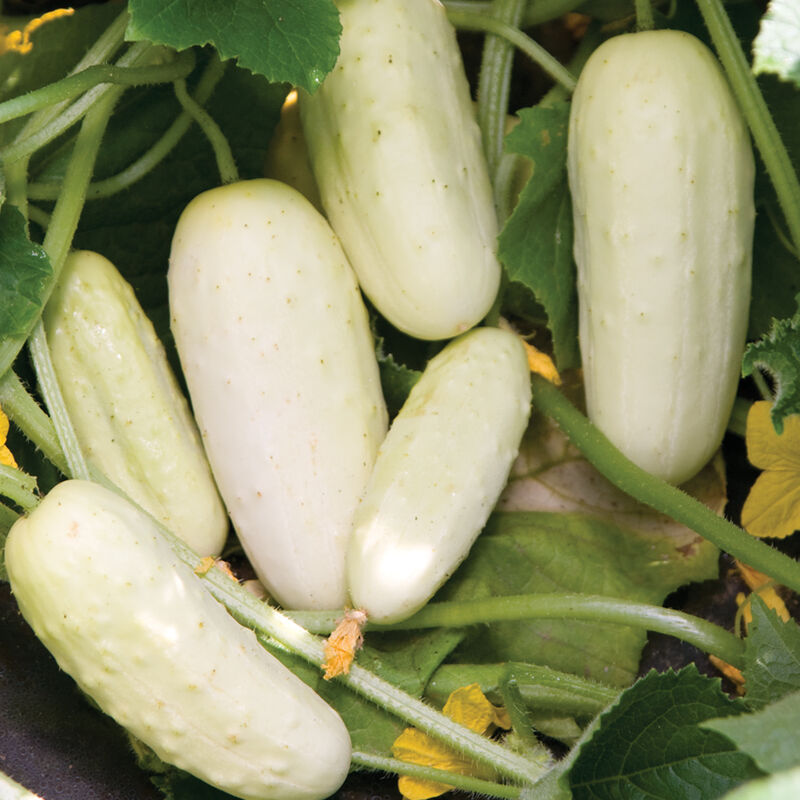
772	656
535	552
25	274
397	379
777	47
768	736
294	41
649	745
778	353
535	245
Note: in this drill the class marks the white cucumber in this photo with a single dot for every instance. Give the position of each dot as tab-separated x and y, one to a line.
130	417
661	176
275	344
142	636
396	152
439	473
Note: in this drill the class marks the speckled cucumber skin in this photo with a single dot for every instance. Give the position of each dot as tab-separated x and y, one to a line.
130	417
275	344
439	473
140	634
396	152
661	176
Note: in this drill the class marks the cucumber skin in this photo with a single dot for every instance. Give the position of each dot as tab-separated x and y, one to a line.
140	634
661	175
397	156
130	417
439	473
275	344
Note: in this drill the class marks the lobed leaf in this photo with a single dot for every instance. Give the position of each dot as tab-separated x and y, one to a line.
294	41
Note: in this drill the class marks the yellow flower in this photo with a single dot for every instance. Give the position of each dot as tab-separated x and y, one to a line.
772	507
467	705
765	588
5	454
20	41
341	646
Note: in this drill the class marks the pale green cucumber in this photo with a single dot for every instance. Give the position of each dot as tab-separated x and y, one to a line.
439	473
142	636
396	152
661	176
130	417
275	344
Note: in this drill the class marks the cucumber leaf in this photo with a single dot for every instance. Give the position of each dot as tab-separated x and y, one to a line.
25	274
535	245
650	744
772	656
778	354
294	41
767	736
777	47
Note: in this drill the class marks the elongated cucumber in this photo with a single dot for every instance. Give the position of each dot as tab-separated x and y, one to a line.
396	152
661	174
140	634
275	344
439	473
130	417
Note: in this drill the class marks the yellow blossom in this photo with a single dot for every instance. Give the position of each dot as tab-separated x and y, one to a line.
5	454
772	507
467	705
19	41
765	588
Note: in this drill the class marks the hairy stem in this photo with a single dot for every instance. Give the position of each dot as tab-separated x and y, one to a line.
644	15
463	783
19	487
659	495
21	407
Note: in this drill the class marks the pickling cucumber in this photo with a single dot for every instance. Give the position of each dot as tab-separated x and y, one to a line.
661	176
141	635
275	344
396	152
130	417
439	473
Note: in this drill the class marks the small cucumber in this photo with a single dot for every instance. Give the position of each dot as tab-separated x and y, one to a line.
140	634
439	473
396	152
130	417
661	175
275	344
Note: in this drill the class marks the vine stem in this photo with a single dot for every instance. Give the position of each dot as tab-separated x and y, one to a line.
23	147
80	82
659	495
593	608
536	11
226	164
150	159
494	81
463	783
754	108
470	20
